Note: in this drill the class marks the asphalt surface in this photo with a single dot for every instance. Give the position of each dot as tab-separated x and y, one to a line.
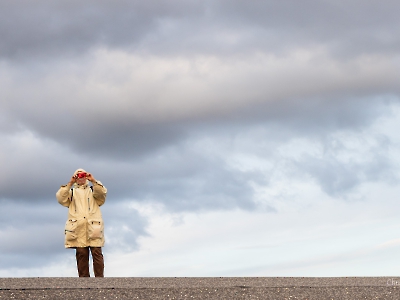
275	288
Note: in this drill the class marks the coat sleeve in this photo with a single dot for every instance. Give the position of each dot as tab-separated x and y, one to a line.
63	195
99	193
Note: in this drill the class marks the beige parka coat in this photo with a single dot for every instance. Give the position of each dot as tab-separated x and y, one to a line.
84	227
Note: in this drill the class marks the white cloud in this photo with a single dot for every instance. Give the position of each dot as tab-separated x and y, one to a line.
305	237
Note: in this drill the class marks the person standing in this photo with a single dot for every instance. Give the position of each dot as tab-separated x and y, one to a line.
84	229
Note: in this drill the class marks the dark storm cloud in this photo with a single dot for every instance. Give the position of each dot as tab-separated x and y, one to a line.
61	28
69	27
117	141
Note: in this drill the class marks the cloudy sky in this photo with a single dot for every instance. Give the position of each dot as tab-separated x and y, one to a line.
236	138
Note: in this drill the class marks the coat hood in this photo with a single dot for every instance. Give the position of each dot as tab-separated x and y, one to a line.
86	182
79	170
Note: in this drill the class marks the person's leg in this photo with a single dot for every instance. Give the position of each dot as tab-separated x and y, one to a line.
82	261
98	261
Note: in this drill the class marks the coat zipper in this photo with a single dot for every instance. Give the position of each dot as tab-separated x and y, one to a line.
72	197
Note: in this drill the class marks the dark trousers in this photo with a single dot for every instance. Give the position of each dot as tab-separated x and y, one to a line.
82	261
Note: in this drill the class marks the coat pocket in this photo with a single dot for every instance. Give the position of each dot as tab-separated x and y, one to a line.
96	229
70	230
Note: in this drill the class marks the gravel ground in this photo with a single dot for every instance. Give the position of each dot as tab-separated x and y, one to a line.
353	288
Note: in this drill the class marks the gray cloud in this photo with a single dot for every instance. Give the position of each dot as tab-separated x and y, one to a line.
345	27
177	173
71	27
33	232
338	176
198	184
124	226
